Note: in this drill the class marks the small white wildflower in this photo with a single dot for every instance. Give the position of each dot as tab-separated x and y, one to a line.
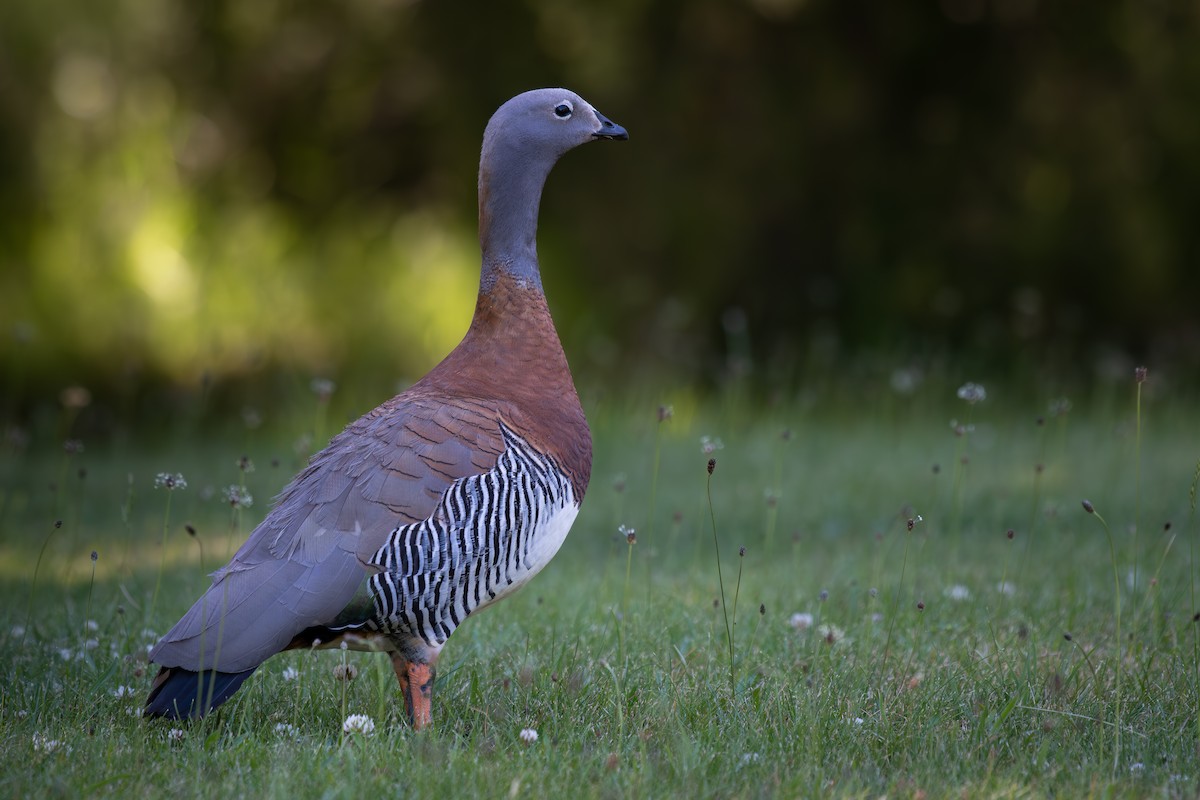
961	429
1006	587
149	634
169	481
175	735
286	729
17	631
832	634
134	711
23	714
1137	767
710	444
359	723
66	653
749	758
958	592
43	744
323	388
345	672
628	533
92	625
801	621
528	735
1060	407
290	674
251	418
124	691
905	380
237	496
972	392
858	720
91	644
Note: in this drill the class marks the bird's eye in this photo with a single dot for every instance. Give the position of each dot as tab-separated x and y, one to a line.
562	110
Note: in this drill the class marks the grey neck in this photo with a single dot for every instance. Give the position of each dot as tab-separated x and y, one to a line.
510	190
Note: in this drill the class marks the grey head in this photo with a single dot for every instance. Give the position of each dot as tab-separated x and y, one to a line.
522	142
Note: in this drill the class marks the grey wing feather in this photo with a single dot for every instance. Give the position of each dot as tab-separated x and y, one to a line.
304	563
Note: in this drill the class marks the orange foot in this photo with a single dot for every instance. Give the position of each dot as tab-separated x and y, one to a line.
416	684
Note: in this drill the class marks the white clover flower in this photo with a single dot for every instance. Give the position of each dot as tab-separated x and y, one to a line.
710	444
290	674
801	621
323	388
17	631
91	625
286	729
170	481
958	592
237	496
91	644
1060	407
1006	588
972	392
749	758
175	735
905	380
345	672
124	691
529	735
832	634
359	723
43	744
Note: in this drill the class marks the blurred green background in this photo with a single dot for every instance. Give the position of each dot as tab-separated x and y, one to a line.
238	193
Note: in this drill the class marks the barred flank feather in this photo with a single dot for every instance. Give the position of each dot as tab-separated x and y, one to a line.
478	543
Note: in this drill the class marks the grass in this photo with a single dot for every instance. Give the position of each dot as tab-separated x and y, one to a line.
941	658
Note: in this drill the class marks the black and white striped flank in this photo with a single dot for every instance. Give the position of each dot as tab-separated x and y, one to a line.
481	542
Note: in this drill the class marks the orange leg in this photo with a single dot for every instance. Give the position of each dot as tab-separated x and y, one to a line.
416	684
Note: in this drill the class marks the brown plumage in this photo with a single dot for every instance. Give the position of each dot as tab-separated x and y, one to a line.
439	501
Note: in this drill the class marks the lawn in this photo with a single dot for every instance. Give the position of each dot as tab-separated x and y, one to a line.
915	603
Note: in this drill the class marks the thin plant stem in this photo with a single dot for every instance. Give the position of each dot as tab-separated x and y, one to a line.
1004	575
1140	376
961	462
1038	470
1112	550
737	590
1192	583
33	586
712	463
775	489
899	588
631	539
91	588
162	561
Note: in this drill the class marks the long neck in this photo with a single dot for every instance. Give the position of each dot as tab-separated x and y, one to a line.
510	190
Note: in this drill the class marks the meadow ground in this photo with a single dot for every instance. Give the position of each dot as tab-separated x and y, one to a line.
919	611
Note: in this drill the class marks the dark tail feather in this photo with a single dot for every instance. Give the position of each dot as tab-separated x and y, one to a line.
177	692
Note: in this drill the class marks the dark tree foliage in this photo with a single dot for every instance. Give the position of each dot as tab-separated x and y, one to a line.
216	185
